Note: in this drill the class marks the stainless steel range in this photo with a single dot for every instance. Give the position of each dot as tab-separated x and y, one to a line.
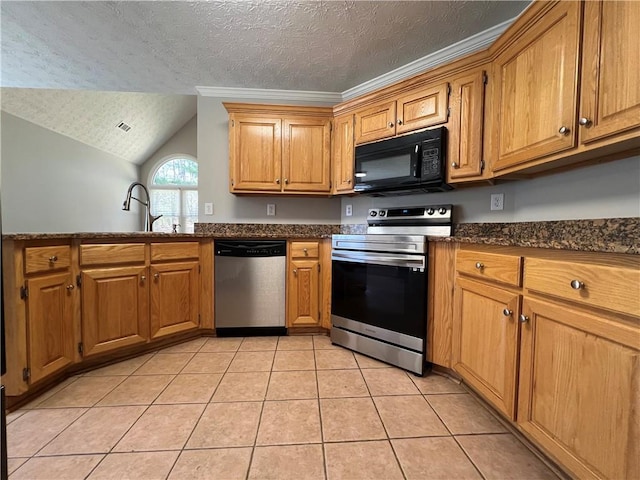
379	284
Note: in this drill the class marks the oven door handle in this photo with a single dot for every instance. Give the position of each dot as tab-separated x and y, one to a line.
408	261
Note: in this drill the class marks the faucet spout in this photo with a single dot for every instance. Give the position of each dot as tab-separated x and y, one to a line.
148	218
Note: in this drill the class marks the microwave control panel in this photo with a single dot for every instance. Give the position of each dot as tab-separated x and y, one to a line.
431	159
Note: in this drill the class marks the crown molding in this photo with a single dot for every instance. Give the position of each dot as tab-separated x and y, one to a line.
263	94
464	47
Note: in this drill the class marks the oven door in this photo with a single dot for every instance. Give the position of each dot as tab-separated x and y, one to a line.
382	290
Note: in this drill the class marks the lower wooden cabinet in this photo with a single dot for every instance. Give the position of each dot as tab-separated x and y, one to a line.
174	298
115	308
485	345
304	285
579	389
50	342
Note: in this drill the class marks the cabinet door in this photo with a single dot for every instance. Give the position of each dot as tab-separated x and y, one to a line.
376	122
579	389
610	92
485	346
255	152
536	84
174	298
422	108
306	165
467	121
115	308
343	154
304	293
51	342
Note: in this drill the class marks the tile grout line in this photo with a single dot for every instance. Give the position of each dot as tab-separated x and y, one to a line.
322	440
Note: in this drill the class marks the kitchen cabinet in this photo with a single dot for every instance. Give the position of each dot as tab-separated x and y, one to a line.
343	154
175	288
485	341
417	108
279	149
303	284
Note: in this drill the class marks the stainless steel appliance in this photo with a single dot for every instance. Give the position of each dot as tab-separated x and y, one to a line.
250	287
379	284
409	163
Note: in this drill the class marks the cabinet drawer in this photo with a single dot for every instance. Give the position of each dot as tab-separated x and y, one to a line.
610	287
490	266
109	254
305	249
43	259
174	251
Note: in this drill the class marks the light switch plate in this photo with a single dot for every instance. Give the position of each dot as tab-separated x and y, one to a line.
208	208
271	209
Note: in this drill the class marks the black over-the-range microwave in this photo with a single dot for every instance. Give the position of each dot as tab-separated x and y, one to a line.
412	163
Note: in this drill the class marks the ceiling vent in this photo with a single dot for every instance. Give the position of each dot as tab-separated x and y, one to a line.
123	126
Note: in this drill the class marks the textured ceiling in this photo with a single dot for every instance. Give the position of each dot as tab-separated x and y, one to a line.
171	47
91	117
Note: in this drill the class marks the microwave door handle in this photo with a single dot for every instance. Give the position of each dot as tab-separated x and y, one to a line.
415	161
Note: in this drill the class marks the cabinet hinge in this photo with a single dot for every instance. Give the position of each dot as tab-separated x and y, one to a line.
318	267
330	126
233	123
199	317
78	281
448	89
448	112
199	269
232	183
26	374
81	348
24	293
485	78
481	166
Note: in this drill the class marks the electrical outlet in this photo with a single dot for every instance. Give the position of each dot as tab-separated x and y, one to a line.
271	209
208	208
348	210
497	201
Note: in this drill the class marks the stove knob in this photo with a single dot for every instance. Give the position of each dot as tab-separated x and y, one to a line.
373	213
442	211
431	211
383	213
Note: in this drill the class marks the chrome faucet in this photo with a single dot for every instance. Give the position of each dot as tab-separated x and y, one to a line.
148	218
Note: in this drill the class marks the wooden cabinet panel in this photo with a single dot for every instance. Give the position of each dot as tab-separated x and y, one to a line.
579	391
115	309
306	158
255	152
376	122
485	347
467	122
51	341
343	161
304	293
610	93
536	81
611	287
161	252
174	298
304	249
490	266
45	259
111	254
422	108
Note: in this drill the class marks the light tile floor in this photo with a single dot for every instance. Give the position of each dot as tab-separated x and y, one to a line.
261	408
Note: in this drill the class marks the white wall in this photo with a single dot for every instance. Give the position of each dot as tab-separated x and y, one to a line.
608	190
213	183
52	183
184	141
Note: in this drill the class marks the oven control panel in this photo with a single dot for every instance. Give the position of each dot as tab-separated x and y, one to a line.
442	212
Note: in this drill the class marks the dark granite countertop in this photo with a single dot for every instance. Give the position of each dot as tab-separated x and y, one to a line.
98	235
266	230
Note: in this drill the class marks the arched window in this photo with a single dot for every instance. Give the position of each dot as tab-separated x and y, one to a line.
174	193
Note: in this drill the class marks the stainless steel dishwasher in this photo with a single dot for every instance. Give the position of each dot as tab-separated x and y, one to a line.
249	287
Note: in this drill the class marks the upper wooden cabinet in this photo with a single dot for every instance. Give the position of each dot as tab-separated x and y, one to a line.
535	88
343	154
418	108
610	93
279	149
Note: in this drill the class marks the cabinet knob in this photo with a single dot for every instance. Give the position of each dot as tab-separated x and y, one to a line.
348	181
564	130
156	276
278	181
306	252
507	313
399	121
70	287
454	165
143	278
53	259
295	271
479	265
286	181
390	124
577	284
585	122
524	319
